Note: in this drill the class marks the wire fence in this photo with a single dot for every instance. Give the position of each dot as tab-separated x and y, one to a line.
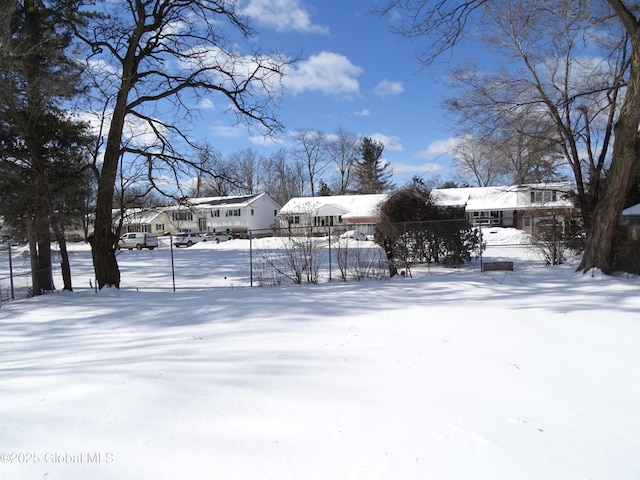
15	274
298	255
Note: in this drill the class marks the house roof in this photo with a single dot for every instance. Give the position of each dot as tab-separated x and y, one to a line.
349	206
236	201
513	197
633	211
500	198
139	215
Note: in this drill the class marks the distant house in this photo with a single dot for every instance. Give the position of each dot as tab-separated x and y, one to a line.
630	222
519	206
339	212
146	220
233	214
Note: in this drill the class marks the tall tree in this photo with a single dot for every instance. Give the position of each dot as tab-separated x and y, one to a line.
281	180
246	171
558	76
310	150
343	148
42	149
475	159
159	53
373	174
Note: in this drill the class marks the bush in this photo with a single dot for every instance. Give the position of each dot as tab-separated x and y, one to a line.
419	231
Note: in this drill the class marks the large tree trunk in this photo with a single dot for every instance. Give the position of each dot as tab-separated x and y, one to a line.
624	168
104	239
65	266
40	257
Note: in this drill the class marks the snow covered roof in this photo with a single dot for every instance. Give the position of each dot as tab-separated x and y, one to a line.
633	211
349	206
513	197
235	200
139	215
473	199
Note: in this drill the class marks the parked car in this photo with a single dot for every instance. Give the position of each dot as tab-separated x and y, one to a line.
138	240
217	237
186	239
354	234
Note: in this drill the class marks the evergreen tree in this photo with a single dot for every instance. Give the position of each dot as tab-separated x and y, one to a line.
40	146
373	174
324	190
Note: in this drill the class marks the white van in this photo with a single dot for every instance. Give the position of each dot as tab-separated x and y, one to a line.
138	240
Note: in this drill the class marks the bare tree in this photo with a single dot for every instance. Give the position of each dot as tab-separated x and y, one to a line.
476	158
206	174
553	42
311	151
281	181
246	170
158	54
343	149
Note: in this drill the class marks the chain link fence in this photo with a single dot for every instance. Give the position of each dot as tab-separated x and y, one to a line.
300	255
15	274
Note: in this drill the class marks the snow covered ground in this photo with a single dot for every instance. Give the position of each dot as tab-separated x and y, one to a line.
531	374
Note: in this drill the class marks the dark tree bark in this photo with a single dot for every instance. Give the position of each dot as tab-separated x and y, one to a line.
139	40
601	201
624	169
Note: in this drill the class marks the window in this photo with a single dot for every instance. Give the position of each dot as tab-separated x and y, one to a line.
182	215
159	227
215	213
234	212
543	196
252	212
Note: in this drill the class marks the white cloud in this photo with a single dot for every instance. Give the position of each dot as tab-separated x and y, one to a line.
205	104
265	140
283	15
391	144
408	170
326	72
229	131
438	148
387	87
363	113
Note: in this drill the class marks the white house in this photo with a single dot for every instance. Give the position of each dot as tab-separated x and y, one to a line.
630	222
234	214
339	212
146	220
519	206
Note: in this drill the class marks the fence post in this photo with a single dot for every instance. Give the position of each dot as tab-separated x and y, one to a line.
173	271
13	296
329	253
250	259
480	232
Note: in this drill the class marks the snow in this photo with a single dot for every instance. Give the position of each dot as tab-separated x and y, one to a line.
451	374
352	206
632	211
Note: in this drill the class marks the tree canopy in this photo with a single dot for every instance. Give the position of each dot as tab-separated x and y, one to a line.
373	174
576	64
150	59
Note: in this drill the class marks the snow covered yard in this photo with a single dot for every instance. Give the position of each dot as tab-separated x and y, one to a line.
531	374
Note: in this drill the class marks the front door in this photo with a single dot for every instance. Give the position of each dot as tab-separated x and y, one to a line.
202	223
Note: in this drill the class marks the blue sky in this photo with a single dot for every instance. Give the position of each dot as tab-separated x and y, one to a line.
353	73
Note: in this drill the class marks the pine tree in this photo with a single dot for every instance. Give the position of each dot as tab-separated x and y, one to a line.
40	146
373	174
